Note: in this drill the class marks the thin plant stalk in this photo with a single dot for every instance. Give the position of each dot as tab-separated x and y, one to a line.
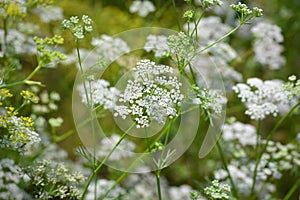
292	190
175	9
278	124
196	25
234	188
257	137
96	170
220	39
213	43
133	163
157	175
27	79
90	106
158	171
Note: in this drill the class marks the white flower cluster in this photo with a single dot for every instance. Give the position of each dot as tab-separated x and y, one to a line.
242	177
99	93
209	29
154	94
279	158
224	9
57	177
210	100
109	48
210	67
54	153
21	127
158	44
182	45
28	28
266	46
244	133
20	132
78	26
222	54
102	186
123	151
143	8
209	3
293	87
217	190
47	103
262	98
10	176
50	13
140	186
181	192
223	51
21	43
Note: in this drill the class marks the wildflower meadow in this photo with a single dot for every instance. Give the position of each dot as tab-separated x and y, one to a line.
149	100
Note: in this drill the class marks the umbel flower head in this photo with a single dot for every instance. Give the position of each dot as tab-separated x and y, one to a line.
78	29
182	45
262	98
152	95
98	93
244	13
143	8
267	47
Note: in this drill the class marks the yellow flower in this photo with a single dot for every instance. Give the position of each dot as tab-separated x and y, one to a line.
28	122
4	93
29	96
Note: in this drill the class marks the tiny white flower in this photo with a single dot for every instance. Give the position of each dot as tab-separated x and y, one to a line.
49	13
267	46
262	98
109	48
99	93
153	94
158	44
143	8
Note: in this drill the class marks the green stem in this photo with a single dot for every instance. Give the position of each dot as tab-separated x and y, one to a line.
33	73
57	139
292	190
120	178
94	152
193	74
160	163
214	43
133	163
21	106
242	58
28	82
90	106
82	72
196	25
257	138
139	158
95	171
234	189
267	142
220	39
175	9
157	175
